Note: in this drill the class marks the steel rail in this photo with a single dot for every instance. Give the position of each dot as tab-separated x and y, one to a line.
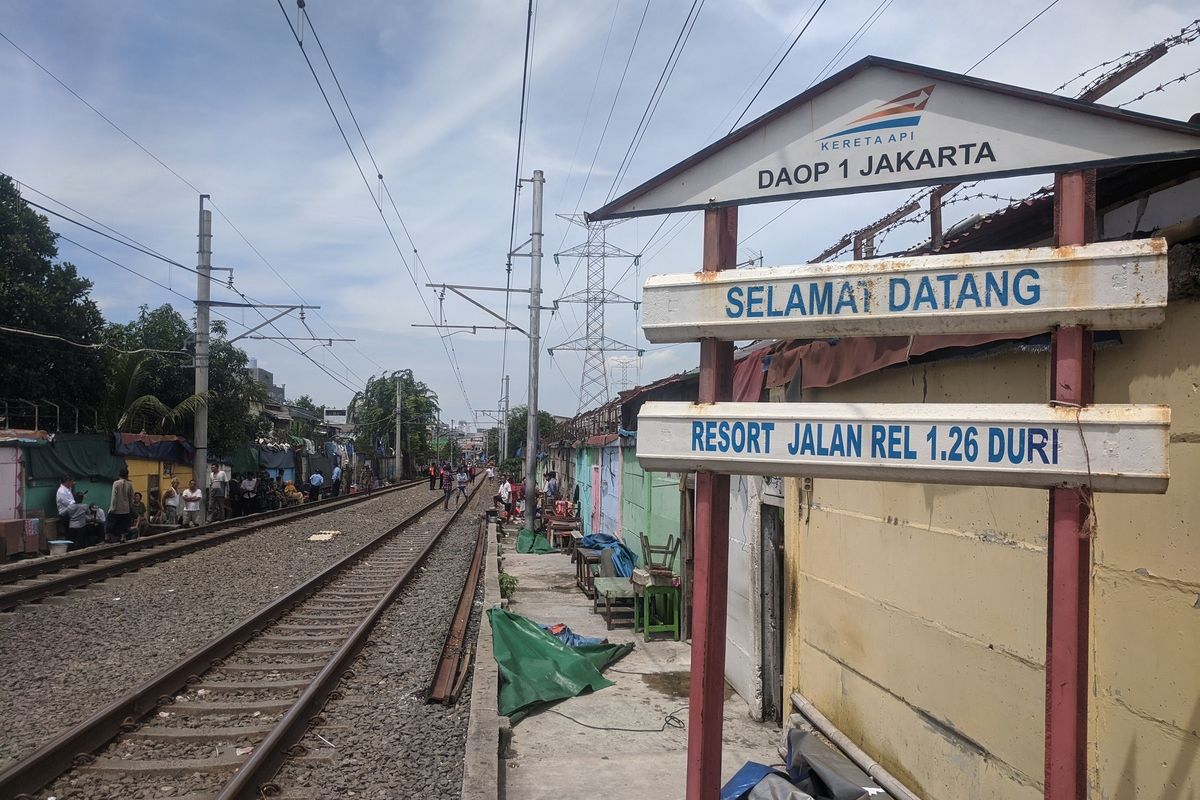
30	774
116	563
445	677
251	779
32	568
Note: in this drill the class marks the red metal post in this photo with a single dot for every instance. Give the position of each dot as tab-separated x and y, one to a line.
711	559
1069	552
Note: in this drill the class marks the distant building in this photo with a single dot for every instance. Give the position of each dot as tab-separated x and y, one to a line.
265	379
335	416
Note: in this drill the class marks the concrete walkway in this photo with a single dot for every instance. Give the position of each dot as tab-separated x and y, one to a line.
552	757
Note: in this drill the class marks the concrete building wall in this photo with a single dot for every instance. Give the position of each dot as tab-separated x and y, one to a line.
610	489
649	504
743	638
916	613
585	457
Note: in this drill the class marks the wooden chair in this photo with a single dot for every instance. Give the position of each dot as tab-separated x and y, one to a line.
615	591
660	558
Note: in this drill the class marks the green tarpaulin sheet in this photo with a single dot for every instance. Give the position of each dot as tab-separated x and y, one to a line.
536	668
530	542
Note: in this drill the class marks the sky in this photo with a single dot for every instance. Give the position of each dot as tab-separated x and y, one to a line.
221	96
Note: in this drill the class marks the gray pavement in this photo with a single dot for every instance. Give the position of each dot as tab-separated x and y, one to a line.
551	756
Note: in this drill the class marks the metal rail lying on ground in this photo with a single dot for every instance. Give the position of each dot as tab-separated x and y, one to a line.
74	570
450	675
74	746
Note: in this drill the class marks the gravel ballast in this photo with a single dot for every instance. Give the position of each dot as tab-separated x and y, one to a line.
61	661
389	743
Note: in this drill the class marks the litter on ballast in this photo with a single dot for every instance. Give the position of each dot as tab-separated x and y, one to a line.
323	536
244	751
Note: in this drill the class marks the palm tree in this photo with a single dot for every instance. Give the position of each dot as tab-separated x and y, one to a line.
126	410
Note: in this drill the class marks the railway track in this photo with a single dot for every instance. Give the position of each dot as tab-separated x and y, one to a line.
36	579
219	723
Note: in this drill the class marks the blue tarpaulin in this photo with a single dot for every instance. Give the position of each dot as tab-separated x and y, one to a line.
570	637
623	558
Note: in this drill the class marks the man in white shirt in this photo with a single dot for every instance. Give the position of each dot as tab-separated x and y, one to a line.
218	479
64	497
504	495
191	505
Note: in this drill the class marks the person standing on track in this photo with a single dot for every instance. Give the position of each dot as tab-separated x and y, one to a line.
447	486
217	481
433	473
192	498
460	483
504	495
120	508
249	493
335	488
315	482
170	502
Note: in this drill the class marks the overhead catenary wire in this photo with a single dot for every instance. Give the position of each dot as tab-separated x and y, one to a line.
778	64
134	244
218	313
660	87
1012	36
173	172
516	187
378	205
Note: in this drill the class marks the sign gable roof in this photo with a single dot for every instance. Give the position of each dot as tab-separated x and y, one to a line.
883	124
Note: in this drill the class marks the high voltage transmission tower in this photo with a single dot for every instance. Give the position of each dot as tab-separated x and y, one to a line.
594	344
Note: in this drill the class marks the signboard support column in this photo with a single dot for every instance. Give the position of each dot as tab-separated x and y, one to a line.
1069	550
711	576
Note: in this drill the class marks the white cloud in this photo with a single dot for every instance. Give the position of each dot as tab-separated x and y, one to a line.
226	99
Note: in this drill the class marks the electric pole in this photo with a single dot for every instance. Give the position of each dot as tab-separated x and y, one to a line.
399	411
203	284
535	320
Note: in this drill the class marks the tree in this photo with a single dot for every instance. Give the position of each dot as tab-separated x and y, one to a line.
127	407
39	294
373	413
234	399
235	415
306	428
518	424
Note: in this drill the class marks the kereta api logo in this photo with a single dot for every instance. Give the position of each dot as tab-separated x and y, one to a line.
889	123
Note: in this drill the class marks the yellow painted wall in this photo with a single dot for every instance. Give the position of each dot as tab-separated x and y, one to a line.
916	613
140	470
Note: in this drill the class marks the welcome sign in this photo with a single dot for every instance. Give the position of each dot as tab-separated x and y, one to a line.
1114	285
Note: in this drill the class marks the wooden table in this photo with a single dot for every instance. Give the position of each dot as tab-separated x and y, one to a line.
585	559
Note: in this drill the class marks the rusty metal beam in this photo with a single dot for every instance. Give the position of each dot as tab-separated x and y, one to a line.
711	568
1069	552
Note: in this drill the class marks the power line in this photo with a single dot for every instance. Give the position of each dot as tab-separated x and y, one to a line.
173	172
378	205
1012	36
660	87
778	64
145	249
854	39
91	346
611	108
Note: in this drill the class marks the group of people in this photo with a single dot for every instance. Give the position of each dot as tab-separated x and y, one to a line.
452	481
129	515
86	523
511	495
